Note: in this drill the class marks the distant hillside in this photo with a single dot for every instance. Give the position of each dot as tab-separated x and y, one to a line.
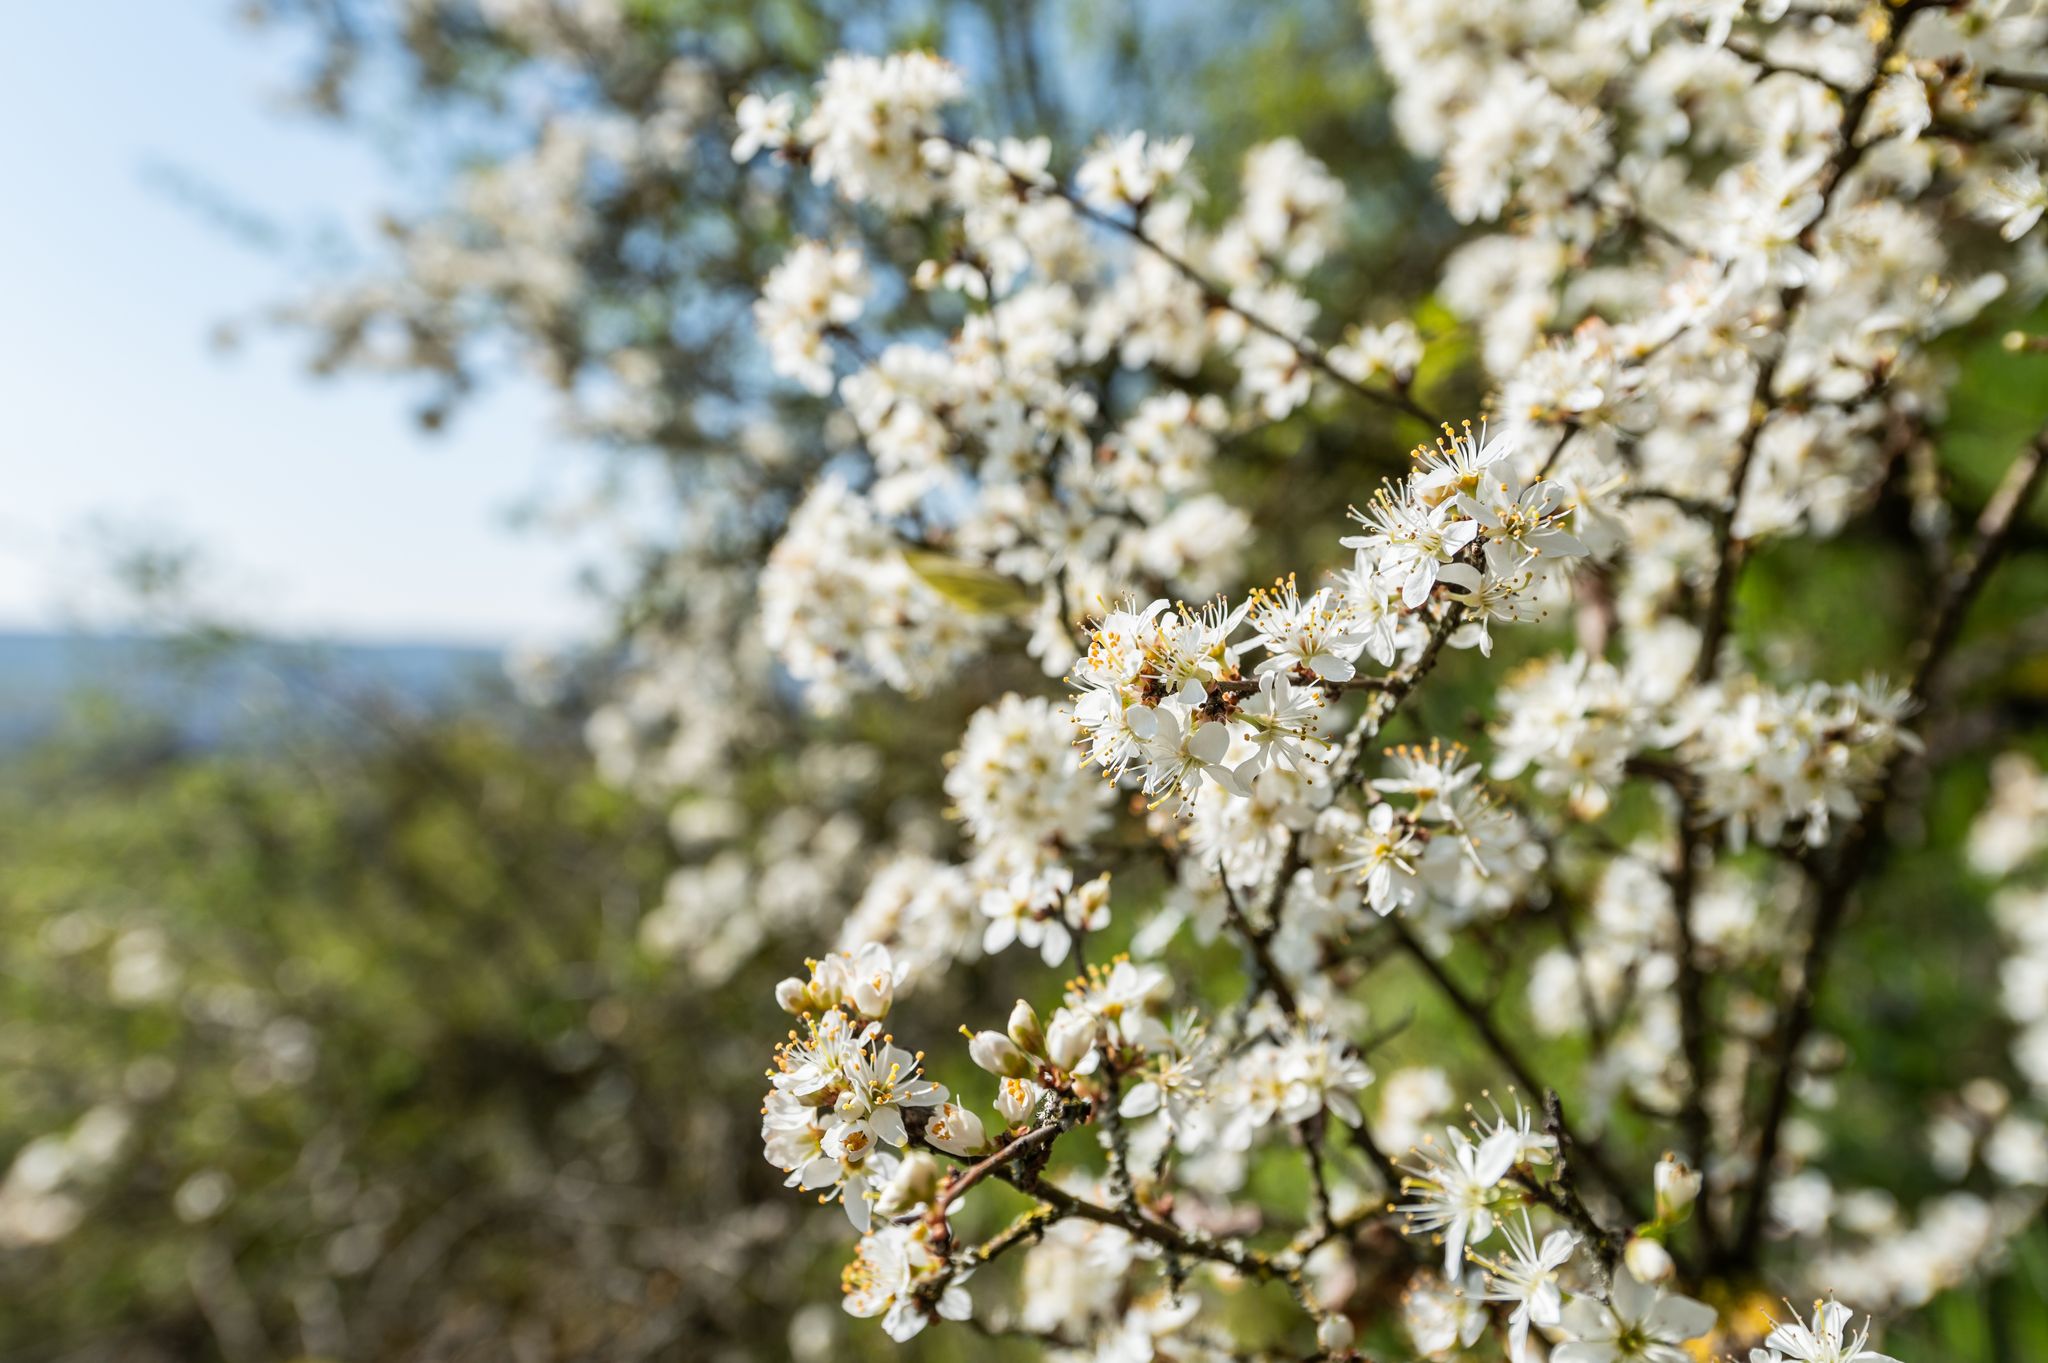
211	691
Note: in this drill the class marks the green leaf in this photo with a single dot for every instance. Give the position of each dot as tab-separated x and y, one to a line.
970	586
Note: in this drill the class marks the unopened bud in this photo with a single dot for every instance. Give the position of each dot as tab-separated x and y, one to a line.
794	995
1647	1260
995	1053
1678	1187
1026	1030
1068	1038
1334	1334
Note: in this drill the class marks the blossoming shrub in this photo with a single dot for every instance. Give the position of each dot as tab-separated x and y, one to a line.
1718	248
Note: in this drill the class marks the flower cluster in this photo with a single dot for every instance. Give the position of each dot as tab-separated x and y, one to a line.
815	291
841	1086
1767	762
1015	785
1164	695
850	1114
840	603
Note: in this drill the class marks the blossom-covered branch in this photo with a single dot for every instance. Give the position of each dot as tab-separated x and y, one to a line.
1712	245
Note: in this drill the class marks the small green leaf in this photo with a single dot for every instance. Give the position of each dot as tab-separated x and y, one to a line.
970	586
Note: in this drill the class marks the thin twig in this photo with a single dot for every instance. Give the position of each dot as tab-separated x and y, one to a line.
2017	80
1193	1244
1561	1193
1496	1041
1265	972
992	1164
1005	1166
1214	295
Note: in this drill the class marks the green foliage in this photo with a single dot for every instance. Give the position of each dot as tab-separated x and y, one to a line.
384	981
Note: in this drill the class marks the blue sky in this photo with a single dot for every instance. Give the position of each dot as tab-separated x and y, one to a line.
321	507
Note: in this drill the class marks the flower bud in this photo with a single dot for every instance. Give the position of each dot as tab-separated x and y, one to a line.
1334	1334
1069	1038
1678	1186
996	1053
1026	1030
794	995
1647	1260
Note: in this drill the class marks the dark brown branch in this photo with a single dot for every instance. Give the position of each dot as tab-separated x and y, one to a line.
1194	1245
1729	552
1836	882
1692	1015
1564	437
1026	1229
1561	1193
1265	972
1311	353
1310	1131
1381	1164
1121	1185
1996	528
974	1173
1004	1165
2017	80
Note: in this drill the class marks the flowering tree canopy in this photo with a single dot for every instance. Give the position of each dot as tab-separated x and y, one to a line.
1725	245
